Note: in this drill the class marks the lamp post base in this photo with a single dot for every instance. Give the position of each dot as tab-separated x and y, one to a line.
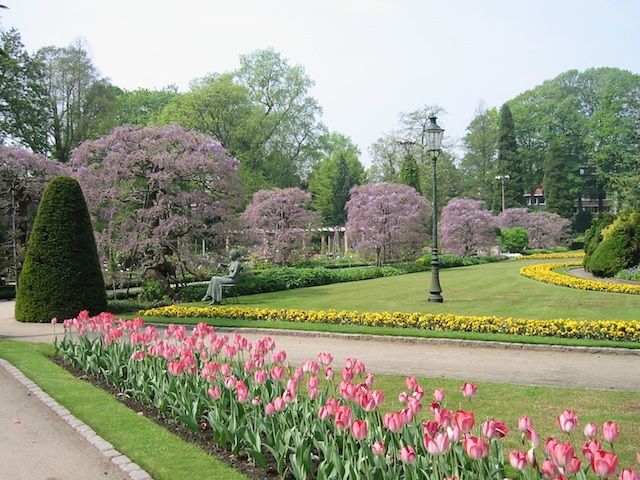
436	297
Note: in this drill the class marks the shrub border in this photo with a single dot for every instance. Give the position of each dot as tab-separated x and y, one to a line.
544	272
616	330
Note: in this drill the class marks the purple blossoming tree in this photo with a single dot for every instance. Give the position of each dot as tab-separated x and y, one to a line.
386	221
153	192
278	220
23	176
466	226
546	230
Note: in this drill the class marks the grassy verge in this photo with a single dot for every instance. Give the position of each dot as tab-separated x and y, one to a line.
388	331
161	453
165	456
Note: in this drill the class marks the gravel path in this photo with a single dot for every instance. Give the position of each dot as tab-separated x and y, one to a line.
601	368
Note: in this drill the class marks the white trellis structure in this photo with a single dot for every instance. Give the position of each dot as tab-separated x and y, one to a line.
333	240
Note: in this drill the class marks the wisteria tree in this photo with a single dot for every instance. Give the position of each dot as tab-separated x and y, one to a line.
279	220
23	176
546	230
153	192
466	226
386	221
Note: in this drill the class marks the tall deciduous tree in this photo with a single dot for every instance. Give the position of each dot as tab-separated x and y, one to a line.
545	229
466	226
23	97
386	221
69	77
558	197
410	173
153	191
508	163
279	220
481	147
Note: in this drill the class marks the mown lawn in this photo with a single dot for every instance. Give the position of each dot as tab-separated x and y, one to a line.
490	289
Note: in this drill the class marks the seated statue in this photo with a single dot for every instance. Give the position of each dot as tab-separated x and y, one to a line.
214	290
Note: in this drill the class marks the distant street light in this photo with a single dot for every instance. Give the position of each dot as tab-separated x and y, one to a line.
434	146
502	178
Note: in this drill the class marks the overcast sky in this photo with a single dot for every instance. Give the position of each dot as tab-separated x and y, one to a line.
370	59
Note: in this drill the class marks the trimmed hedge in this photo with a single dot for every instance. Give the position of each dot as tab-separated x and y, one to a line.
619	248
514	240
7	292
61	274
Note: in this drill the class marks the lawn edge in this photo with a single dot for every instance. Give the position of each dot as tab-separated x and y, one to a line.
126	466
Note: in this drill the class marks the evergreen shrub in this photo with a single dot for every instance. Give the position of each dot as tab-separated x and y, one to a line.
514	240
619	248
61	274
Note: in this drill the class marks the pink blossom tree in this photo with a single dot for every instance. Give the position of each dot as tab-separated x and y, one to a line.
153	192
23	176
466	226
279	220
386	221
546	230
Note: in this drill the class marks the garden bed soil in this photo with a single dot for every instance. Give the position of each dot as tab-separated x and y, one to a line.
203	440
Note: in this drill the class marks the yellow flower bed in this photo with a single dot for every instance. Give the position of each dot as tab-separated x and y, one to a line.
544	273
540	256
564	328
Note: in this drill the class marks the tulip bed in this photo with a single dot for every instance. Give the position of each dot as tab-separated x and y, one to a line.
545	273
617	330
316	422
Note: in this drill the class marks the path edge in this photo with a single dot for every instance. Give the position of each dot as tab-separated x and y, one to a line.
130	469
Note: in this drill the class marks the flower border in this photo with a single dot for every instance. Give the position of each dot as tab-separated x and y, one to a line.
543	256
617	330
544	272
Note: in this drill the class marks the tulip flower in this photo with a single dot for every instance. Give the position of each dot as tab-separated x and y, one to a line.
279	404
269	409
561	454
590	448
574	466
610	431
464	420
324	413
524	423
378	447
393	421
407	454
628	474
260	377
469	389
444	417
567	421
518	460
590	430
277	372
325	359
494	429
548	469
475	447
604	464
438	395
430	428
359	429
256	401
437	444
342	417
453	432
214	393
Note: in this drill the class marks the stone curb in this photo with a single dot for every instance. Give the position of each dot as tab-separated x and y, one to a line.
125	465
434	341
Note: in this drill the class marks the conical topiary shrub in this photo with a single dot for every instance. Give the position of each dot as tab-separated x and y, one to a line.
61	274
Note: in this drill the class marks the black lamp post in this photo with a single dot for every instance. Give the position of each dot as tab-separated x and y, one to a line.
434	144
502	178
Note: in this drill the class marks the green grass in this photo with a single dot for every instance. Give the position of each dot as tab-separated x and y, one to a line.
490	289
161	453
165	456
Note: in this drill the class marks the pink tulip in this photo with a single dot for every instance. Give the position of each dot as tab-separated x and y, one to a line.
342	417
313	393
230	381
444	417
430	428
561	454
475	447
359	429
548	469
260	377
590	430
494	429
464	420
524	423
418	393
610	431
531	457
279	404
378	448
313	382
411	383
567	421
367	402
54	320
518	460
214	393
277	372
574	466
604	464
407	454
590	448
256	401
328	373
438	395
289	396
269	409
325	413
378	396
469	389
279	357
453	433
139	355
393	421
628	474
402	398
532	435
325	359
436	445
225	369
